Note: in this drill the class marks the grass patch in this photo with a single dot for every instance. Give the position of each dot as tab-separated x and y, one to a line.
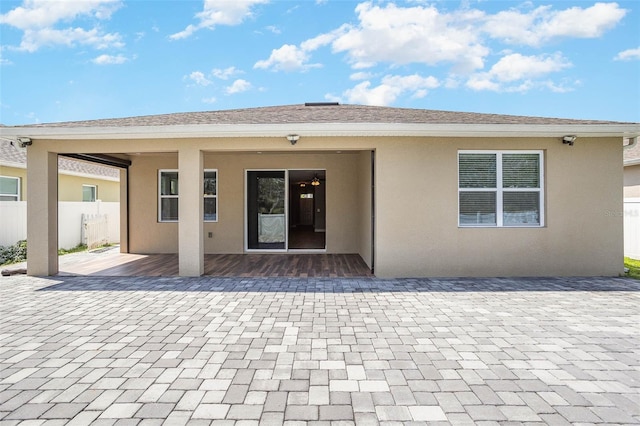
76	249
634	267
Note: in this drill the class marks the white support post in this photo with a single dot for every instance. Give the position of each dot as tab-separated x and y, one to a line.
124	211
190	212
42	211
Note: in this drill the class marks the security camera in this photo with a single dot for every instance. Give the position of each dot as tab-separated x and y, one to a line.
293	139
24	142
569	139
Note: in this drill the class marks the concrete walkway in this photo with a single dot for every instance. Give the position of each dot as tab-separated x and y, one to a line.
200	351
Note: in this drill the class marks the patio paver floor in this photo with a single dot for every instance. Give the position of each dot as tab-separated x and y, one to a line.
154	350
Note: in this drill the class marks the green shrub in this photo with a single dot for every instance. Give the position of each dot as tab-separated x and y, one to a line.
634	267
13	254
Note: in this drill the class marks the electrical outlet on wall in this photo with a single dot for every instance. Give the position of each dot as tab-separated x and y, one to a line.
210	234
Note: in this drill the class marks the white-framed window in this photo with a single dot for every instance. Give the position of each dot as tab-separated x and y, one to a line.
500	188
9	188
210	183
89	193
167	195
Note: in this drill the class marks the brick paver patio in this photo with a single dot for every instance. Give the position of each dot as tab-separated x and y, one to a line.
124	351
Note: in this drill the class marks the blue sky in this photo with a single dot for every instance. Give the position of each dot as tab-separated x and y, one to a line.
77	60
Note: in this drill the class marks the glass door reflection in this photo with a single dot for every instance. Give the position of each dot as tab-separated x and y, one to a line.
266	210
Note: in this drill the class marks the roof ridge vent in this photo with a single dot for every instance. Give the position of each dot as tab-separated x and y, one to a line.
315	104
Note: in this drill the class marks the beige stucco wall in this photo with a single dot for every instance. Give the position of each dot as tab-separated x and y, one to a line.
416	229
364	204
19	173
69	186
632	181
343	215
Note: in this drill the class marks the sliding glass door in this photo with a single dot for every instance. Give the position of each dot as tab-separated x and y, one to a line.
266	210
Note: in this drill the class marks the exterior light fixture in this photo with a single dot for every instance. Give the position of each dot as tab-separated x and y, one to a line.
293	139
302	184
315	181
569	139
24	142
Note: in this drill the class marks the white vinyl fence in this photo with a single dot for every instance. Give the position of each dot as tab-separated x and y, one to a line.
632	227
95	230
13	223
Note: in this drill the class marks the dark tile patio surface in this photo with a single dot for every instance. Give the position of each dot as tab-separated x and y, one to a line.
168	350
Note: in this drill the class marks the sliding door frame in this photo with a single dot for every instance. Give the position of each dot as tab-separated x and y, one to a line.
246	212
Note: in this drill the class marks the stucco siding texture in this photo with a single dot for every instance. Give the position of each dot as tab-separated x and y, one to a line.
632	181
417	232
69	187
416	226
147	235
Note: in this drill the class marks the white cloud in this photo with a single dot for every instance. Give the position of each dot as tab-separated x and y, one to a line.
110	60
391	87
38	20
360	76
423	34
273	29
46	13
3	60
518	73
225	74
295	58
323	39
211	100
198	78
238	86
628	55
418	34
220	12
542	25
286	58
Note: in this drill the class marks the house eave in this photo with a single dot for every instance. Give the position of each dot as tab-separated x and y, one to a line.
323	130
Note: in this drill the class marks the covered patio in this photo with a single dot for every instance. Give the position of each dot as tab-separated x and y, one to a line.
110	262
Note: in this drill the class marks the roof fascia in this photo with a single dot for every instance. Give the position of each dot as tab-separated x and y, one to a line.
324	130
12	164
61	171
88	175
632	162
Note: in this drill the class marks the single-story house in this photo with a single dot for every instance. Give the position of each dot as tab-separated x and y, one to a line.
414	192
77	181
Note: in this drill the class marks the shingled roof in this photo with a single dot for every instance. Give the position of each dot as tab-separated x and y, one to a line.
12	156
318	113
632	155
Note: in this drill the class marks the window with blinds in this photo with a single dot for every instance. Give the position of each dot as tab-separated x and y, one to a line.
500	188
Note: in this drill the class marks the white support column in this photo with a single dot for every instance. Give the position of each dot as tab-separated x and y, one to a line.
42	211
190	211
124	211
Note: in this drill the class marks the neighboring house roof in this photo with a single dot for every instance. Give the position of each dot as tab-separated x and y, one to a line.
322	120
11	156
632	155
